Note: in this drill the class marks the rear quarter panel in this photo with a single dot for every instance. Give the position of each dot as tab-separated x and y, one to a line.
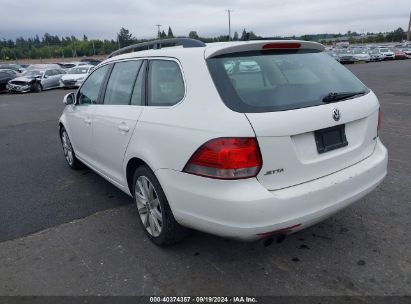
166	137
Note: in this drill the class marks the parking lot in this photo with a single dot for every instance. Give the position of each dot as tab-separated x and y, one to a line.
72	233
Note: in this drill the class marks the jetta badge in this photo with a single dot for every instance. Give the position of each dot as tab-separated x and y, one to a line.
336	114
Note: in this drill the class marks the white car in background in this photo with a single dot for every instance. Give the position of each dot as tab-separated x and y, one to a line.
75	76
201	142
387	53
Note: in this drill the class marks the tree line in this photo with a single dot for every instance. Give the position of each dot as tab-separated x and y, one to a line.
54	46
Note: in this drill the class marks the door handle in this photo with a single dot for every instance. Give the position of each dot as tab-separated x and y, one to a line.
87	121
123	128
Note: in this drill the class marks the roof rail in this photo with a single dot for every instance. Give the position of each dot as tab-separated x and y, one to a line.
157	44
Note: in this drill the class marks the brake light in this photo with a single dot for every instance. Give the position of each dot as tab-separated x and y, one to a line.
282	45
226	158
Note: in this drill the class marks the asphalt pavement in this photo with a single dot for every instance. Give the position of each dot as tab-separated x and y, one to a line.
72	233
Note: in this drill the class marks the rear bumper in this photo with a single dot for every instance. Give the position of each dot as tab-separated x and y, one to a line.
244	209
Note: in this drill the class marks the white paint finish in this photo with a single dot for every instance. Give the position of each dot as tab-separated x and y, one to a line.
166	137
79	121
244	208
113	128
287	141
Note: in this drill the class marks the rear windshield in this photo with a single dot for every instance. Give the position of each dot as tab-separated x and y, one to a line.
280	80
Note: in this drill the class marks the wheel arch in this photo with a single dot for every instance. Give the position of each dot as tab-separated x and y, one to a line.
132	164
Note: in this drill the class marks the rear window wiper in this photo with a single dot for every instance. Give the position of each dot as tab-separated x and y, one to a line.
333	96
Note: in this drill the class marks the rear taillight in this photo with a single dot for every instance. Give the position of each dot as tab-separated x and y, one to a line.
226	158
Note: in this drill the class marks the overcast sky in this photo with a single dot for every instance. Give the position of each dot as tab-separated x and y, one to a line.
103	19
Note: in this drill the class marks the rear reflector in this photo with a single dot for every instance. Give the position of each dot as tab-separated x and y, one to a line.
282	45
226	158
282	230
379	120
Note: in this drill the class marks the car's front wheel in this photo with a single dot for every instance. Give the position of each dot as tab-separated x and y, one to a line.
37	87
153	209
68	150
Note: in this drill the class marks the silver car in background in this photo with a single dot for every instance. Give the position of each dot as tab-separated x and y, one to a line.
75	76
36	81
361	54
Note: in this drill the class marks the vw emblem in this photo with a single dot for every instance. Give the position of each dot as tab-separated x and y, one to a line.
336	114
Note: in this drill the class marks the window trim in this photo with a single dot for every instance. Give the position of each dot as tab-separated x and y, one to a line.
141	69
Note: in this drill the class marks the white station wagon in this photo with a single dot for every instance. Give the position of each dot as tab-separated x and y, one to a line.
239	139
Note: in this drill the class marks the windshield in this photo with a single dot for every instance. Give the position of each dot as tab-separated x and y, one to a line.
33	73
78	71
279	81
383	50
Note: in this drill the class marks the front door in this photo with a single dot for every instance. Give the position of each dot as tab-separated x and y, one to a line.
81	115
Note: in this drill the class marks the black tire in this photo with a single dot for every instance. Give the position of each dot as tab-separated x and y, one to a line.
37	87
72	161
171	231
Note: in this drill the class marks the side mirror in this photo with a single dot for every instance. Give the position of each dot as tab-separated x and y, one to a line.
69	99
45	76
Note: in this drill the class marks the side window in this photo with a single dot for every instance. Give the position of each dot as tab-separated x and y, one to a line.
137	98
120	84
165	83
48	73
88	93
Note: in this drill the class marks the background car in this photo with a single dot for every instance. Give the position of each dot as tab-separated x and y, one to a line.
75	76
43	66
345	56
36	81
15	67
407	52
69	65
5	77
361	54
399	54
388	55
375	55
91	61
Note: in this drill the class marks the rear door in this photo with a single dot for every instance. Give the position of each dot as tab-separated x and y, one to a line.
303	132
116	117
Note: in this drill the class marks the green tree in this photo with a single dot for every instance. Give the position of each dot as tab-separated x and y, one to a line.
193	35
170	33
124	37
235	37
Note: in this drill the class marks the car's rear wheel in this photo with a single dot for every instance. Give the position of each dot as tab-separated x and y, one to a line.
68	150
153	209
37	87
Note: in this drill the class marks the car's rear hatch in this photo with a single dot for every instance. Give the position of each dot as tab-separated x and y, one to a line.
303	132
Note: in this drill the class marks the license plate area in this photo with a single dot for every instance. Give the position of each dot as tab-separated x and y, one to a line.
330	138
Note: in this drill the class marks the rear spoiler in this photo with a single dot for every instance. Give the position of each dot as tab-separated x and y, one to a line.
257	45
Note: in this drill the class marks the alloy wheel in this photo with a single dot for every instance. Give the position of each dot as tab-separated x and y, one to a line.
67	148
148	206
